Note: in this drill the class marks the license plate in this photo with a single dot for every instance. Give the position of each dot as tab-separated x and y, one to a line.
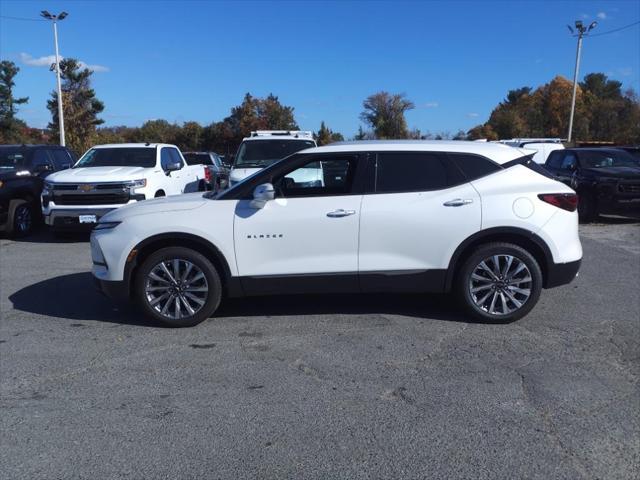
87	219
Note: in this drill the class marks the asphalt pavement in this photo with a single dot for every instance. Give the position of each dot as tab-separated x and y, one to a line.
384	386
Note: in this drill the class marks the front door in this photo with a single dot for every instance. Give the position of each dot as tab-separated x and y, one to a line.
306	239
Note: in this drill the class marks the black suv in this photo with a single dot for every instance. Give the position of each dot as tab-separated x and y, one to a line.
22	170
607	179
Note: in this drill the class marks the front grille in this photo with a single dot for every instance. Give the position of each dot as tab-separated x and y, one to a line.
91	199
629	187
73	187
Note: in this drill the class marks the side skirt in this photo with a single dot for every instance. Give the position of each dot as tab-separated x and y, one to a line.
400	281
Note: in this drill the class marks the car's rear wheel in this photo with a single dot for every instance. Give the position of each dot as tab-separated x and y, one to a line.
499	282
178	287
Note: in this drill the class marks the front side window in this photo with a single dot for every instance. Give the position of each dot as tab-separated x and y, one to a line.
332	175
61	159
414	172
118	157
169	156
261	153
569	161
555	159
197	159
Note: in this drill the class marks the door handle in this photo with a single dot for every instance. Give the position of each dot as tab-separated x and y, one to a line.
458	202
341	213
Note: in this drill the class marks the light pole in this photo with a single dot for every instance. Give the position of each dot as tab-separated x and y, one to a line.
582	31
55	19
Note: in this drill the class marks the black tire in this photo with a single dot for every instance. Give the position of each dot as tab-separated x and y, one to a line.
481	310
211	297
587	208
159	193
21	221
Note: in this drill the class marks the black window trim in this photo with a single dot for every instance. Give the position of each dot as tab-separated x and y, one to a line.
244	190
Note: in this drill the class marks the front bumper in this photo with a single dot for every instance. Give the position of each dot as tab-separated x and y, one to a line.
117	291
561	273
69	218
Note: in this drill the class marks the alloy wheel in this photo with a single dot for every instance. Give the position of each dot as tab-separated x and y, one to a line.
176	288
500	284
23	219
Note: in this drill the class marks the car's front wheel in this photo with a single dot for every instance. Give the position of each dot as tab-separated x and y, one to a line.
499	282
178	286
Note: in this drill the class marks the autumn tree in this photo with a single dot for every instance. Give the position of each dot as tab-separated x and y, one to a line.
80	106
326	136
385	113
12	130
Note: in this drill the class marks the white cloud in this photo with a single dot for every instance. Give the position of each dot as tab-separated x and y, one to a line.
47	60
473	114
431	105
601	15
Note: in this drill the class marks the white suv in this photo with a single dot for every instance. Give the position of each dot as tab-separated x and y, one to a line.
477	218
109	176
264	147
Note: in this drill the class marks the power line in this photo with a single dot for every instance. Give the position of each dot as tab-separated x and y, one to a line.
614	30
22	19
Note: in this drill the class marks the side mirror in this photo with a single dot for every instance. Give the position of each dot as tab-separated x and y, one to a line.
42	168
261	195
173	166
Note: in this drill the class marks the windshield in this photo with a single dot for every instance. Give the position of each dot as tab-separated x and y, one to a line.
11	157
260	153
118	157
607	159
197	158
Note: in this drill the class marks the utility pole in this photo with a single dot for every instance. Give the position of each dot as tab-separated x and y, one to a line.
56	66
582	31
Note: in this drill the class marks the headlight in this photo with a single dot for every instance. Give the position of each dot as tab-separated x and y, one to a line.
133	184
106	225
46	189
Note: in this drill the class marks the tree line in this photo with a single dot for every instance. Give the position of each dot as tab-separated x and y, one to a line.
603	112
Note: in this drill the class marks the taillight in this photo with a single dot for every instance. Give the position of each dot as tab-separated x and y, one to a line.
207	174
565	201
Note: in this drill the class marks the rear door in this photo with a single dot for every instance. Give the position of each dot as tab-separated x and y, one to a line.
421	209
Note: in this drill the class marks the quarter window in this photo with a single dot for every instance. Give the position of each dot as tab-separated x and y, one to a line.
415	172
473	166
320	177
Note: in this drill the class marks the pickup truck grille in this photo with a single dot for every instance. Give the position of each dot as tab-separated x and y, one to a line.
91	198
629	188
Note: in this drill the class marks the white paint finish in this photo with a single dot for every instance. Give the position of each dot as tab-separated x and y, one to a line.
311	242
523	207
560	234
409	231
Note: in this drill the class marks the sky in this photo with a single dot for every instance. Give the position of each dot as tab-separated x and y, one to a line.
195	60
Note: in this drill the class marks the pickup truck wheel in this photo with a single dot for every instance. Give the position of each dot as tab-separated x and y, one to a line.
21	218
499	283
178	287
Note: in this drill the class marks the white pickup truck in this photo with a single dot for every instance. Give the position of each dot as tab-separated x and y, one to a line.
110	176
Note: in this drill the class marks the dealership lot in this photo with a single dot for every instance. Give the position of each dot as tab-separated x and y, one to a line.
319	387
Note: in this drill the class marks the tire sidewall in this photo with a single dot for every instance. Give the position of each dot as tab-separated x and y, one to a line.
209	270
499	249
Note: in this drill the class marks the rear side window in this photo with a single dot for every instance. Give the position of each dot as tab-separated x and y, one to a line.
414	172
473	166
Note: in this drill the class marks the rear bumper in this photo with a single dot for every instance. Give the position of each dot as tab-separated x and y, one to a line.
117	291
561	273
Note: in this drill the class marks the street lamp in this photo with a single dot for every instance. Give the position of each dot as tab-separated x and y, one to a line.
55	19
581	32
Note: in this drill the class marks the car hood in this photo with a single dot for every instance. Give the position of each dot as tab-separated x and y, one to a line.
238	174
619	172
98	174
189	201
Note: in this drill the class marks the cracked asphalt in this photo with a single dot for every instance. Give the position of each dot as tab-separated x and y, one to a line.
320	387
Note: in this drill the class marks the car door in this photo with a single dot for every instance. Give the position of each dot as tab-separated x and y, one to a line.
420	210
306	239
